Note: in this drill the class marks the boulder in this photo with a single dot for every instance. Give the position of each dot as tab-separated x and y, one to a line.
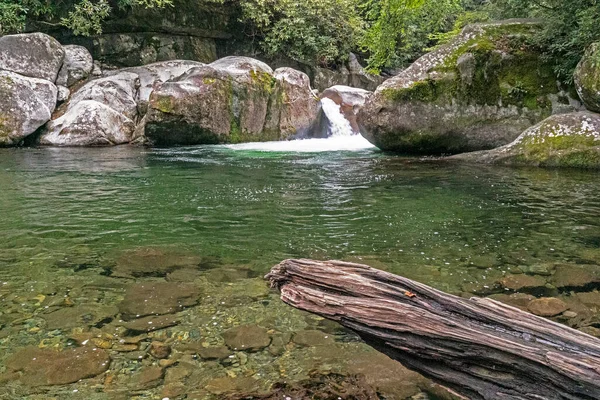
40	367
233	100
587	78
35	55
547	307
25	105
88	123
350	100
567	140
247	338
157	298
480	91
154	74
77	66
118	92
350	74
295	107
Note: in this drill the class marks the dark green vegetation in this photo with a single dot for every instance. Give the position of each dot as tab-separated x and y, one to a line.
388	33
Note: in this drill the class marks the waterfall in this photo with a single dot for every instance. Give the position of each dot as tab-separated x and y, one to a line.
338	124
340	136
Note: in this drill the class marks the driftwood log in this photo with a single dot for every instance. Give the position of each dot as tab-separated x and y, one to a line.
480	348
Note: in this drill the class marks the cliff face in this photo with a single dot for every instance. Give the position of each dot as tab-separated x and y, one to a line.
188	30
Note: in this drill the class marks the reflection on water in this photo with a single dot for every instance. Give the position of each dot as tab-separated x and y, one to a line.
84	229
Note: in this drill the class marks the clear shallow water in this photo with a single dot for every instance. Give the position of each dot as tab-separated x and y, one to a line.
69	214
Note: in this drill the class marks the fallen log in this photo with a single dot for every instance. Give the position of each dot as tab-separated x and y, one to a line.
480	348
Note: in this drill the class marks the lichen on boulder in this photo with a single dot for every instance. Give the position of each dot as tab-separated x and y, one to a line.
566	140
478	92
587	78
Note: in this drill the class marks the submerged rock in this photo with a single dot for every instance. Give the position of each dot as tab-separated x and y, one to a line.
567	140
587	78
77	66
232	100
25	105
247	337
547	307
478	92
41	367
157	298
35	55
156	262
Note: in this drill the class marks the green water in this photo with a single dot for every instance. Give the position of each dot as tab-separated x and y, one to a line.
68	214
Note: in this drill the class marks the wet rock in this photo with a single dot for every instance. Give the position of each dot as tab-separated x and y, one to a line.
145	262
278	343
173	391
388	377
35	55
566	140
77	66
221	386
575	276
547	307
247	338
214	353
320	386
184	275
40	367
519	283
311	338
79	316
25	105
157	298
146	378
441	104
537	269
587	78
518	300
159	350
590	299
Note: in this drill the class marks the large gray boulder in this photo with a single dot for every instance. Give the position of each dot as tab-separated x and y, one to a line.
233	100
35	55
587	78
103	112
25	105
89	123
77	66
478	92
119	92
566	140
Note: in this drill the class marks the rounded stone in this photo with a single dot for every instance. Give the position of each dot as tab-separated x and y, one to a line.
547	307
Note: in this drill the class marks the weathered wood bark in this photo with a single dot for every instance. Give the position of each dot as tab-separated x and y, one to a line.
480	348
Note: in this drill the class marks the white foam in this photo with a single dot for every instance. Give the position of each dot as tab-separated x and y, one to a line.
335	143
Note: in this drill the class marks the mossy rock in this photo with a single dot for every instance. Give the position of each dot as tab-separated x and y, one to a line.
478	92
587	78
566	140
233	100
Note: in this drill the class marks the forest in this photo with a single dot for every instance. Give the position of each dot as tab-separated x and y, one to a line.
389	34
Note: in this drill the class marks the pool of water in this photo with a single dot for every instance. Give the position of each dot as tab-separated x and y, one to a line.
79	227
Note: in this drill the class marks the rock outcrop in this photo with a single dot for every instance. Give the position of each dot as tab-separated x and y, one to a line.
587	78
478	92
567	140
232	100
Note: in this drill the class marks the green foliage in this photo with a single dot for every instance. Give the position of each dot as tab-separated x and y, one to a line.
321	32
12	16
86	17
399	30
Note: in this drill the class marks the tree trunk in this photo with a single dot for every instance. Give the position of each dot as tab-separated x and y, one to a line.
480	348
